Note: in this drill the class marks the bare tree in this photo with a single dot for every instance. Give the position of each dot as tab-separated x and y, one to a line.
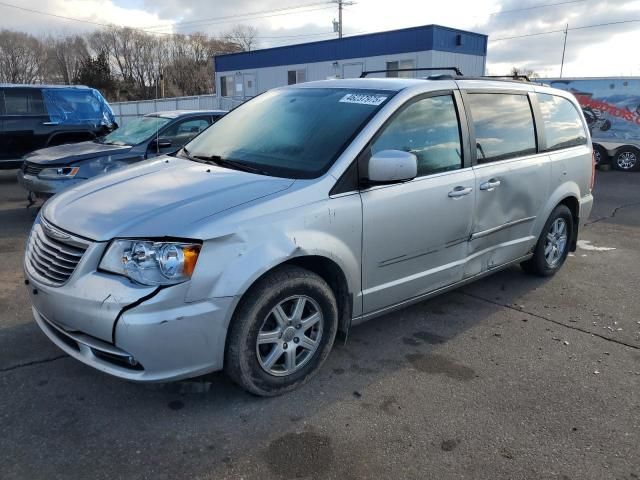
65	57
131	61
244	36
22	58
189	67
515	71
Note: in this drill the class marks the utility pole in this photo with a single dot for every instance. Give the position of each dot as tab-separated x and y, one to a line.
564	48
341	3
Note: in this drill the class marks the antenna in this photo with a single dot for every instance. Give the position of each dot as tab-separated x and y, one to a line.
155	108
564	48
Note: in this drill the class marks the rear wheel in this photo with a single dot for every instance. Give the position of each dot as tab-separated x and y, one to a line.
282	332
553	245
627	159
600	155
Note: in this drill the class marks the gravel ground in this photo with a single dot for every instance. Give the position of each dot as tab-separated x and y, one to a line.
512	377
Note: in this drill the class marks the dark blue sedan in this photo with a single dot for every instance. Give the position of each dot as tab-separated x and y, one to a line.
50	170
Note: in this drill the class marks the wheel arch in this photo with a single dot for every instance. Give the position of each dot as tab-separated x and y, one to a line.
573	204
626	146
566	194
329	271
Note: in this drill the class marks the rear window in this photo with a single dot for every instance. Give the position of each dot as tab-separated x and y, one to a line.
563	126
23	102
503	125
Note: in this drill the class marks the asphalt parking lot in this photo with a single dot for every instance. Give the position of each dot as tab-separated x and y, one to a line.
512	377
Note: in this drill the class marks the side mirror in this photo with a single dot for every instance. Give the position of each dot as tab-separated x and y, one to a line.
160	143
390	166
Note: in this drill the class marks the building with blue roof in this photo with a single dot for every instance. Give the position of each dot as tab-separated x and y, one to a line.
243	75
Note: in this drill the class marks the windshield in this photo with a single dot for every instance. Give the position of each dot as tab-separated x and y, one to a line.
294	133
135	131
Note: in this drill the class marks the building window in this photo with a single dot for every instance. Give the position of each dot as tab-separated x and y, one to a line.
296	76
398	65
226	86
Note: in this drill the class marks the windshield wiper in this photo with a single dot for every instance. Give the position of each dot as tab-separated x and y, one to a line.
224	162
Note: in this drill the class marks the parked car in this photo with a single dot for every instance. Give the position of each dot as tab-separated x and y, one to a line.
50	170
38	116
302	212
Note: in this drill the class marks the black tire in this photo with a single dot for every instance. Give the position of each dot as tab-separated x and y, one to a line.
600	155
626	159
242	364
538	264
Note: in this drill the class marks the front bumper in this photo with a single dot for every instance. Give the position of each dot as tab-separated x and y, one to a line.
139	334
45	188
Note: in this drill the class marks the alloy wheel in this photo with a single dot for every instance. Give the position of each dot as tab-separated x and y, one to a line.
626	160
556	242
289	336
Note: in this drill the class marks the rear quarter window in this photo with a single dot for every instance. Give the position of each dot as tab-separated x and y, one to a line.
563	126
23	102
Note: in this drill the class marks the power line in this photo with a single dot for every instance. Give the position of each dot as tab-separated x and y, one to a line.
146	30
563	30
255	15
514	10
30	10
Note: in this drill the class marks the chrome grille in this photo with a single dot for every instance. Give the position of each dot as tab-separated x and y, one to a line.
53	258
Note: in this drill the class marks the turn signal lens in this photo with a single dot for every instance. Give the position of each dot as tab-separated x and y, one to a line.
190	258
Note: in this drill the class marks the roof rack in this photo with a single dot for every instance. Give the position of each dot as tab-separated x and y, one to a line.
429	69
457	76
516	76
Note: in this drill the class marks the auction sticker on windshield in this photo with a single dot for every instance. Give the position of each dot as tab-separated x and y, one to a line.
363	99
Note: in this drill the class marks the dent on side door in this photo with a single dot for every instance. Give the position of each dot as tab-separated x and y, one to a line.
510	195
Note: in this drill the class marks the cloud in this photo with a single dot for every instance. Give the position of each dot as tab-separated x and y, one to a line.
592	51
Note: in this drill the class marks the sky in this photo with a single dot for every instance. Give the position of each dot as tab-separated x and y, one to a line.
608	50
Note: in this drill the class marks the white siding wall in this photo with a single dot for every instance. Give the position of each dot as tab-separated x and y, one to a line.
127	110
271	77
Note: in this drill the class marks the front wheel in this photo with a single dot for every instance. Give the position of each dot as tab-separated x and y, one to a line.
553	245
600	155
282	332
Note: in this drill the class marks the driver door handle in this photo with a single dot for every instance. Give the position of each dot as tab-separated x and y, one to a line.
460	192
490	185
50	123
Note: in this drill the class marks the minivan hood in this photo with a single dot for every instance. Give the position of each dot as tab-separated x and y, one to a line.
163	197
74	152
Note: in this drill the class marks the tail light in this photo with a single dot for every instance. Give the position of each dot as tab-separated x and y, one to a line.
593	170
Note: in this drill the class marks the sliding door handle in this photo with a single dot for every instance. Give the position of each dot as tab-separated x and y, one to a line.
460	192
490	185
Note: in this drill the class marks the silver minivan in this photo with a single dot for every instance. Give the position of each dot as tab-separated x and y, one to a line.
304	211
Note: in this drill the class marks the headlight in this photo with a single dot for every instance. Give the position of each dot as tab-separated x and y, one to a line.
105	164
151	263
59	172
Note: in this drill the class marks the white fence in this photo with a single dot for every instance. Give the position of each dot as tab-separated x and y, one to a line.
125	111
